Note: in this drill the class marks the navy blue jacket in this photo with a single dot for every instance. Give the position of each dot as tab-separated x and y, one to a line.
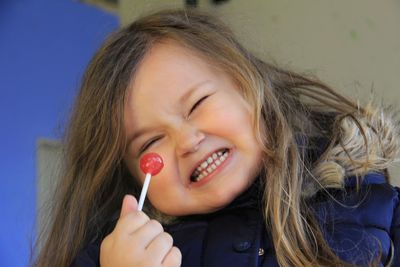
357	226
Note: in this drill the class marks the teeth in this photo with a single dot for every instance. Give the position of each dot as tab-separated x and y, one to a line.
209	165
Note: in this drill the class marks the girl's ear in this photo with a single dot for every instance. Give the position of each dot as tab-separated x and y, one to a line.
129	204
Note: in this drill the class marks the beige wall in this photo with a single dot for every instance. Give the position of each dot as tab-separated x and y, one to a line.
354	45
129	10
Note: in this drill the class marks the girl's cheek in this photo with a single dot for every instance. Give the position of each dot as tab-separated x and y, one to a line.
212	112
136	173
130	159
220	113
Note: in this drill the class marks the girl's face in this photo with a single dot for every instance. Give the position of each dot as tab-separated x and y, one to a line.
194	117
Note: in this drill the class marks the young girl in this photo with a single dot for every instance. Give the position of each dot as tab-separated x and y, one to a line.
263	166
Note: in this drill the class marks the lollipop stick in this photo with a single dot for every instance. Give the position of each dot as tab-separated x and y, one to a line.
144	191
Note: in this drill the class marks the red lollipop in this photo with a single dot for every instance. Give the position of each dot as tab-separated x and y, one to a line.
150	164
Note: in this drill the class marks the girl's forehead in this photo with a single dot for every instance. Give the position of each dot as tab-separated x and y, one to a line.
168	71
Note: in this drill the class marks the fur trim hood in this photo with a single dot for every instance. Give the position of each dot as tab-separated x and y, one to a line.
363	142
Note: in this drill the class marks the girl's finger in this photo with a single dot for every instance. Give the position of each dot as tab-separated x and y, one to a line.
129	205
173	258
147	233
131	222
159	247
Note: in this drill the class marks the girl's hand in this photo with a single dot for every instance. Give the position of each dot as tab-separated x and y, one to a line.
137	241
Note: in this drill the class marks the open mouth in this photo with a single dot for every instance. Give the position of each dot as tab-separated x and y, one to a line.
208	166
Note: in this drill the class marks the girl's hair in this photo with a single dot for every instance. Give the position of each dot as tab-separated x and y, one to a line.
293	107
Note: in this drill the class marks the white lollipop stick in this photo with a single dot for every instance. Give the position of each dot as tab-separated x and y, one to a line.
144	191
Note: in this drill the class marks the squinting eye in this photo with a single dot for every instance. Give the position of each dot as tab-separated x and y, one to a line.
148	144
197	104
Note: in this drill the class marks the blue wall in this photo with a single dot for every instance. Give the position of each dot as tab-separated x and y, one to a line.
44	48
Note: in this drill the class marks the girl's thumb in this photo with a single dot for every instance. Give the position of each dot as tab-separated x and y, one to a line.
129	204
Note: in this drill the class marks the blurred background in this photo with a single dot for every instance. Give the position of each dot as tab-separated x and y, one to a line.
45	46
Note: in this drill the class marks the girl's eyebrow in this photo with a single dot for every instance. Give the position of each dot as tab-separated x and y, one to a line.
182	99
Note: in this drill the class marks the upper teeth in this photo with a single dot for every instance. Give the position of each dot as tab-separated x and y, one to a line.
209	165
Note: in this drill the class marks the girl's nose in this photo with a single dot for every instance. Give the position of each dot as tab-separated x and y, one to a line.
189	139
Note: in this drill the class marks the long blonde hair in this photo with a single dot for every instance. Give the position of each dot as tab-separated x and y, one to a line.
95	178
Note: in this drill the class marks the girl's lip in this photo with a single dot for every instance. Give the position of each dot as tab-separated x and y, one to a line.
214	173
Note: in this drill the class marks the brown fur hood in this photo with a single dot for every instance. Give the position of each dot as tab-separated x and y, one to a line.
366	141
